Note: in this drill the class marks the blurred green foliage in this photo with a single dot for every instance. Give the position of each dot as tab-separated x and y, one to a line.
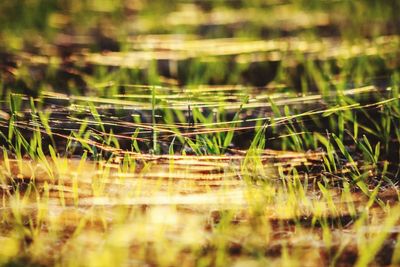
22	20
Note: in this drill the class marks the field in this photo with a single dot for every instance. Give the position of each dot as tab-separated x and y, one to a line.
199	133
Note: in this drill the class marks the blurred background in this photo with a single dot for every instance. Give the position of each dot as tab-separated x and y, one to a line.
62	45
28	24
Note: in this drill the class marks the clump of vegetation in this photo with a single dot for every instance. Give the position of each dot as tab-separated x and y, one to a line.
199	133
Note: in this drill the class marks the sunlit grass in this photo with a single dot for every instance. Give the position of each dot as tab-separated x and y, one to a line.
206	133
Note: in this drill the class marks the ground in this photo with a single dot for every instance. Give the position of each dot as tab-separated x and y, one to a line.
199	133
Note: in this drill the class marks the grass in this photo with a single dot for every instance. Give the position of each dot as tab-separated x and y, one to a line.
199	133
